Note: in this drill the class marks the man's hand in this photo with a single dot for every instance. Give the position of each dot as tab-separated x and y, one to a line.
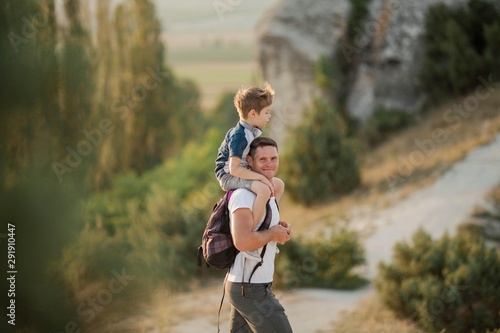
282	232
286	225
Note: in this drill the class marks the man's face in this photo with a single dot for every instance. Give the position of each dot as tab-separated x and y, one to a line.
265	161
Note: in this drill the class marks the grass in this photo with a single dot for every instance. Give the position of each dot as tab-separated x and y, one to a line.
372	316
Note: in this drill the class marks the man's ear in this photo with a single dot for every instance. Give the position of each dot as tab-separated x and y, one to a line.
249	160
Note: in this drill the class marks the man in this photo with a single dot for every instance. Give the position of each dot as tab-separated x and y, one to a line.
254	308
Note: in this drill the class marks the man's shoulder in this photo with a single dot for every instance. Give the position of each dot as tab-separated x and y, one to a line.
245	197
243	193
241	198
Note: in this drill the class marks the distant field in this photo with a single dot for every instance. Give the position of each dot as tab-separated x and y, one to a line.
215	70
216	51
215	78
213	51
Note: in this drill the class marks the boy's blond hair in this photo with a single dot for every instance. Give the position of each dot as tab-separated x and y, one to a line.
253	98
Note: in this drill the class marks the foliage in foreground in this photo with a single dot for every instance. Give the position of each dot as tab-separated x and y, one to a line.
449	283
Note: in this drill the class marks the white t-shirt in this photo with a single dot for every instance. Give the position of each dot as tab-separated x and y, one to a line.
242	198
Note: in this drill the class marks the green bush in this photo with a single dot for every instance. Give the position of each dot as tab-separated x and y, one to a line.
450	283
224	115
320	161
492	51
325	74
150	224
323	264
460	43
382	124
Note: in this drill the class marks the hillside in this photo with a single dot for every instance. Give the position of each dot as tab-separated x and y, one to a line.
443	189
438	196
389	176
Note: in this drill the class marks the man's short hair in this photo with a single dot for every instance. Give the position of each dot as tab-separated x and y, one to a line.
261	141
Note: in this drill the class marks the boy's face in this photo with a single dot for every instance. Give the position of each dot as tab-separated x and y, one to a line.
261	119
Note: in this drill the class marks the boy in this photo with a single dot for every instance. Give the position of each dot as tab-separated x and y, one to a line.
254	108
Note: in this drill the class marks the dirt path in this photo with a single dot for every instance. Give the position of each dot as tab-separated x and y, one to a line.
438	208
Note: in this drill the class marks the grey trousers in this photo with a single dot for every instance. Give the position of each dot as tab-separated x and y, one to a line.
258	312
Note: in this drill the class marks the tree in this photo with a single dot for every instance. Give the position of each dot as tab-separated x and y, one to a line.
492	51
463	60
460	44
320	162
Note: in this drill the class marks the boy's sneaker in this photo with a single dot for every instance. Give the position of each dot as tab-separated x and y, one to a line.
252	255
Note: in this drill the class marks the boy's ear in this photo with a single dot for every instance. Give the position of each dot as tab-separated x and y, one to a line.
252	113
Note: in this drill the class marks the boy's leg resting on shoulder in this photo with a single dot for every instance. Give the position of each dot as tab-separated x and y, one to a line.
259	206
258	312
258	211
230	182
279	187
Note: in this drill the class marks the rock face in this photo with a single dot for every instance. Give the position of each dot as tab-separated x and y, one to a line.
294	33
291	36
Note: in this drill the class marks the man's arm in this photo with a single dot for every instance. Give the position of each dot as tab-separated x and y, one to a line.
246	239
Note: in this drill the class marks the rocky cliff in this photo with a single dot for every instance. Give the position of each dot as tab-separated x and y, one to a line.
294	33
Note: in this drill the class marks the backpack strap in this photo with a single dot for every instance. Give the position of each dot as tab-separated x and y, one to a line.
269	214
222	301
258	264
263	226
228	197
229	194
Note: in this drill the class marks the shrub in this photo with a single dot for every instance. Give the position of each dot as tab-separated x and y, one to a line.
320	161
485	219
382	123
325	75
150	224
492	51
324	264
461	43
224	115
450	283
